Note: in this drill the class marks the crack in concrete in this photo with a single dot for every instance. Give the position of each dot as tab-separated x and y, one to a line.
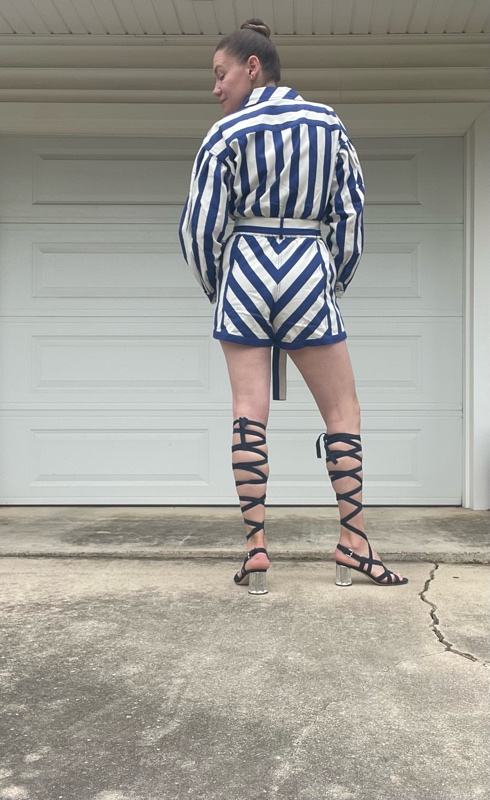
436	621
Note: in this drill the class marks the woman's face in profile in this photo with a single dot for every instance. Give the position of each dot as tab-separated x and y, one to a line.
232	80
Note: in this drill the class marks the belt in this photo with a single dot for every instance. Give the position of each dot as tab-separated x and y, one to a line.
278	226
279	382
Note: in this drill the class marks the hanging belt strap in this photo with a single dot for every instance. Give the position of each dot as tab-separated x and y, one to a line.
279	361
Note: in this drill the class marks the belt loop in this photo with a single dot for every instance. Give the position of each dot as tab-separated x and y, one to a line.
281	228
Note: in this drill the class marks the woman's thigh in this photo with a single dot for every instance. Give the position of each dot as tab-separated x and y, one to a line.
249	369
328	373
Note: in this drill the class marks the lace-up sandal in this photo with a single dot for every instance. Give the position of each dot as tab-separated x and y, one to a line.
366	563
256	579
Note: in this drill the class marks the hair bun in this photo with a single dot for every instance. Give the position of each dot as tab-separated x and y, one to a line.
258	26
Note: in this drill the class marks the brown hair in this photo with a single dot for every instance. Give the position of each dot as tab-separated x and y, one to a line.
253	40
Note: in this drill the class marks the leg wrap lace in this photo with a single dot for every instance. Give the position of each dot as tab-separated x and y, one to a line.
251	442
334	455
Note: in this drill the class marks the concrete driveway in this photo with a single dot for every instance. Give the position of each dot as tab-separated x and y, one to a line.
145	679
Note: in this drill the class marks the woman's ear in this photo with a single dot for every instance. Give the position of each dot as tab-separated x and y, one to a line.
253	65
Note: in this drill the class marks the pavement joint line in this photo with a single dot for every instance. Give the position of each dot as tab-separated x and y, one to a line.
436	622
229	554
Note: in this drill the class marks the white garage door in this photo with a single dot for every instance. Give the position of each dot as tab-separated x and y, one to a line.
112	389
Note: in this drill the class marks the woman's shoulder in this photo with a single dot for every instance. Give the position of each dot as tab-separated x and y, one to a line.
219	138
318	110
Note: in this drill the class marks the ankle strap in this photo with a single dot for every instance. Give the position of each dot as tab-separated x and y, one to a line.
256	550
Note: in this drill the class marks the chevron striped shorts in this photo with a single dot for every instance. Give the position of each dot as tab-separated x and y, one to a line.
277	286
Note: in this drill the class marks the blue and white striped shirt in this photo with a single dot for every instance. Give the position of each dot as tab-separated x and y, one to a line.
278	156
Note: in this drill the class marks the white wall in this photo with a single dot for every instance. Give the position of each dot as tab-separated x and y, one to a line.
477	364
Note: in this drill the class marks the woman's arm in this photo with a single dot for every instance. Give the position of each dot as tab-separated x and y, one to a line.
344	215
204	219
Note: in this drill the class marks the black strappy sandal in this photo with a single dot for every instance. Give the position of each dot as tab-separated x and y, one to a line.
255	579
366	563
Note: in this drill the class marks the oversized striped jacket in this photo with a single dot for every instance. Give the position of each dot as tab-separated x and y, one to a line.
278	156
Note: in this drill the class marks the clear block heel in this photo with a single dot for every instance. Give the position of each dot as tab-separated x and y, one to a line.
342	576
258	583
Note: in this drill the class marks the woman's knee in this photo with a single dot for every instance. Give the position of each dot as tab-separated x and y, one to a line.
344	416
253	411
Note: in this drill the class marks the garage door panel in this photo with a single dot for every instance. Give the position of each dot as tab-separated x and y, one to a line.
107	269
93	178
177	362
408	269
396	465
168	458
103	269
103	362
400	456
97	178
129	458
395	361
116	362
163	456
405	269
408	179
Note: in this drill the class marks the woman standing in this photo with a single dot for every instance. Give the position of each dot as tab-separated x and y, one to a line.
279	166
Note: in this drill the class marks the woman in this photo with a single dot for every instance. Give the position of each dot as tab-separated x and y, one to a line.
279	166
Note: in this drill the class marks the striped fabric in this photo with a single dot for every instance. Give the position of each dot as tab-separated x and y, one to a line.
278	156
275	289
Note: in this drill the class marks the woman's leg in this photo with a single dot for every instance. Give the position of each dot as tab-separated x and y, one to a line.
249	369
328	373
